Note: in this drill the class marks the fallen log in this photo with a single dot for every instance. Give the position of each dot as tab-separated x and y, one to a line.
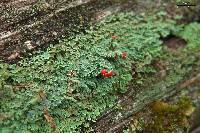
48	22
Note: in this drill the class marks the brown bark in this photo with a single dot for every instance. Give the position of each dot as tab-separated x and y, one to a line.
28	24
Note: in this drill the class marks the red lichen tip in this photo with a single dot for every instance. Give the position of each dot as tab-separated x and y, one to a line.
124	55
103	72
114	37
110	74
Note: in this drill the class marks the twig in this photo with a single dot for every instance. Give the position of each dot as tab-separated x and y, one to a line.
189	82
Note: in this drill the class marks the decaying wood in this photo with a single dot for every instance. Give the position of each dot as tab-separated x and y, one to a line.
39	23
28	24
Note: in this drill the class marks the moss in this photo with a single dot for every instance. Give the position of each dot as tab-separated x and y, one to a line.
198	92
167	118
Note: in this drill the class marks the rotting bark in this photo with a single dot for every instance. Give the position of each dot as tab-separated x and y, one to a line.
31	24
26	25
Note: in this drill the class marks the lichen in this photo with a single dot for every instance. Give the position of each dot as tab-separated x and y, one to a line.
65	79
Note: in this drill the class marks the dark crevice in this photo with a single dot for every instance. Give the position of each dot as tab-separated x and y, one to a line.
174	42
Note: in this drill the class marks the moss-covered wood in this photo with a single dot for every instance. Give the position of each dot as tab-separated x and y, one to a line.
176	77
61	89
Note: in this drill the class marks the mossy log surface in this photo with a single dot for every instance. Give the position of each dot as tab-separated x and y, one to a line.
27	25
168	85
115	120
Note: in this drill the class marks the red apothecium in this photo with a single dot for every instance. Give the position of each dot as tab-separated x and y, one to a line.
114	37
103	72
124	55
110	74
